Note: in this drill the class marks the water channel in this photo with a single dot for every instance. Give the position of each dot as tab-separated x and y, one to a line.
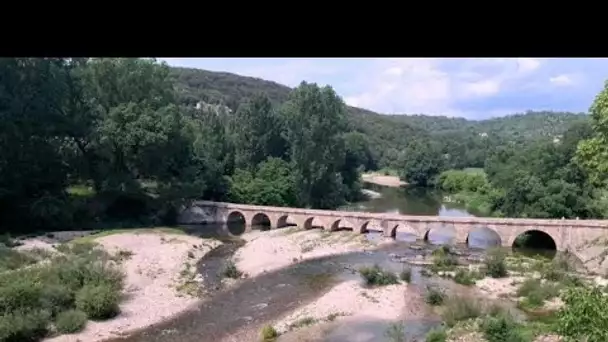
239	312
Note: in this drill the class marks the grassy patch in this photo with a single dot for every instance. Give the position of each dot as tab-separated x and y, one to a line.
465	277
459	308
157	230
32	298
444	260
437	335
376	276
535	293
302	322
11	259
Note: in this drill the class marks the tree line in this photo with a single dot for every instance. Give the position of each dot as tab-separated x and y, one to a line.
88	141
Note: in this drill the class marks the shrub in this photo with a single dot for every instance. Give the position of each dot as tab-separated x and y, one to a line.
22	326
584	315
98	301
406	274
443	259
377	276
501	328
461	309
70	321
56	298
268	334
464	277
231	271
436	335
434	296
495	264
11	259
536	292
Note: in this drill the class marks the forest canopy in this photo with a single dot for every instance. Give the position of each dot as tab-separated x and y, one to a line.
93	141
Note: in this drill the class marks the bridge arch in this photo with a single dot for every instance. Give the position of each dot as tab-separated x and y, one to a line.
261	221
482	236
371	226
285	221
535	239
236	222
405	228
440	233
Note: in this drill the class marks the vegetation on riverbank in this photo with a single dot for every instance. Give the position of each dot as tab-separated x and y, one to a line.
57	292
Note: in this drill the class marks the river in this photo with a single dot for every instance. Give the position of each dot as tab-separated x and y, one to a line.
242	310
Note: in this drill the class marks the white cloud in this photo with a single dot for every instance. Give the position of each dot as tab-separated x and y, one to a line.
419	85
561	80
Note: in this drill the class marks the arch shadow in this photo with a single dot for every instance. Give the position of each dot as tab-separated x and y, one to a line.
285	221
341	225
313	223
236	223
535	242
261	221
371	226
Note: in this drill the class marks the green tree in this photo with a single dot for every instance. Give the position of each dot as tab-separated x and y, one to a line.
314	121
592	153
272	183
421	162
257	133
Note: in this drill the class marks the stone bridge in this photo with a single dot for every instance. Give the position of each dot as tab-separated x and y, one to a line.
567	234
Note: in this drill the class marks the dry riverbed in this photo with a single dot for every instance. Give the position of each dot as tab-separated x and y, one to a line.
159	271
384	180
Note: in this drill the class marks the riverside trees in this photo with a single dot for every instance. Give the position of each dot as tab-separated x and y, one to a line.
113	126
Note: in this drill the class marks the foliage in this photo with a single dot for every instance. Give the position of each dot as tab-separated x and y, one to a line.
406	274
98	301
33	297
268	334
271	184
436	335
495	264
70	321
502	328
443	259
465	277
584	314
592	153
434	296
461	309
376	276
231	271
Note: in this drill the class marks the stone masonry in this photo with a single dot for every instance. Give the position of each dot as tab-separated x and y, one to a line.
567	234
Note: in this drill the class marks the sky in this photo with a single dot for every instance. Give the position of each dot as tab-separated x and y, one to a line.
474	88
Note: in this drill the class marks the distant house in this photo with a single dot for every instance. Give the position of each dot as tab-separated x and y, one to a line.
202	105
483	135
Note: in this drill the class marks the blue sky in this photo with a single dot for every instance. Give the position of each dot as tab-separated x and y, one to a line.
473	88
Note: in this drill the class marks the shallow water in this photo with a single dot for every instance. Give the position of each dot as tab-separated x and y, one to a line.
240	312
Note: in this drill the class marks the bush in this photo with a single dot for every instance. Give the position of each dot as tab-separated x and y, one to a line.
11	259
71	321
535	292
461	309
584	315
495	264
22	326
434	296
57	298
98	301
406	274
377	276
436	335
231	271
464	277
443	260
501	328
268	334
